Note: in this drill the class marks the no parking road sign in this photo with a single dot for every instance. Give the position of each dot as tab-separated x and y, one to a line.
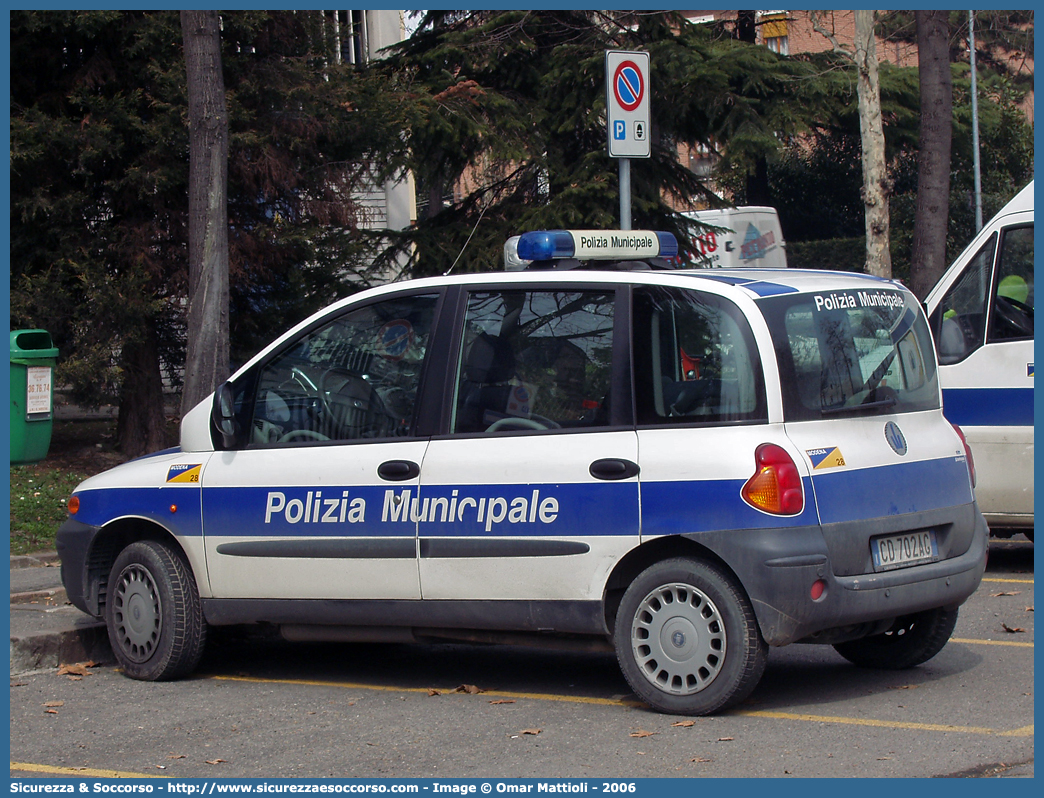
627	103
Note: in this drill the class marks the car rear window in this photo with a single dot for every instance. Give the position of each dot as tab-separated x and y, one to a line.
852	352
695	360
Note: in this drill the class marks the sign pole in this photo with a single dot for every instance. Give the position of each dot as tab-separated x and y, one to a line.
625	193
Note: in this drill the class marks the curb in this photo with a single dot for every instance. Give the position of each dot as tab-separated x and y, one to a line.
19	561
50	650
46	632
51	597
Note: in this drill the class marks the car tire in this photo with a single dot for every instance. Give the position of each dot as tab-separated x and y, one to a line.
687	640
912	640
153	613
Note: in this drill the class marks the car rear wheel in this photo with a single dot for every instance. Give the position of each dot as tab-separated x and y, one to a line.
153	613
687	639
912	640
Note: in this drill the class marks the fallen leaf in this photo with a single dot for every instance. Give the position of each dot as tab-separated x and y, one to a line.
1006	593
726	739
503	701
1012	629
79	669
531	731
643	733
1028	609
19	684
161	767
685	723
55	704
214	761
433	691
468	688
883	758
701	759
176	756
51	711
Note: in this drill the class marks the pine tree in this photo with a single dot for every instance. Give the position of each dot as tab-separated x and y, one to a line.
99	191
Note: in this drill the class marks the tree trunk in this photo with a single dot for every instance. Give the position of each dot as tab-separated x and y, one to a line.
928	260
141	425
746	26
876	186
757	183
206	359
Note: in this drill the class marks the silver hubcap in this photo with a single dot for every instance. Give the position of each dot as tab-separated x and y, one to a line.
678	639
137	613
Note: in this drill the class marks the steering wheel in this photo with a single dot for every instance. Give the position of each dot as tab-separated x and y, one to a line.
1017	315
524	423
358	396
358	389
302	435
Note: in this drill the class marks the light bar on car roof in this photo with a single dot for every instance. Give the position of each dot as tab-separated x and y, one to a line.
596	244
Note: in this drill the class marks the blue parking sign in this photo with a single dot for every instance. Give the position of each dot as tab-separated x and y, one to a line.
619	130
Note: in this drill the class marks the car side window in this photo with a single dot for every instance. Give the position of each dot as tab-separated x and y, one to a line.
534	360
1011	316
355	377
695	360
959	322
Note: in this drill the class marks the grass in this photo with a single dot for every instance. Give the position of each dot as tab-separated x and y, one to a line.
39	491
38	497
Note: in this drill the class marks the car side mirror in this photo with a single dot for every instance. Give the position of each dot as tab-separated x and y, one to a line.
223	416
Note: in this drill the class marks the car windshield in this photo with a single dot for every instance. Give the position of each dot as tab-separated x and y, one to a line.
851	352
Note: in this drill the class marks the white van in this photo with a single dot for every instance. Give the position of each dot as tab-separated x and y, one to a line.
752	237
981	314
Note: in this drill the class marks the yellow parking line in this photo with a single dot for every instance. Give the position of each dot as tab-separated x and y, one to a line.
1026	731
614	702
93	773
1019	581
1012	643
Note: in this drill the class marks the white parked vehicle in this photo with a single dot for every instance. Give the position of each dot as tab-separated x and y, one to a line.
685	466
981	314
751	237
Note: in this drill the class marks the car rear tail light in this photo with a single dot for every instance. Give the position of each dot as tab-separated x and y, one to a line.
775	486
967	452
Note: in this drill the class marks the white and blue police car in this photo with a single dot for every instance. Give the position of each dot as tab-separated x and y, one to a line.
688	466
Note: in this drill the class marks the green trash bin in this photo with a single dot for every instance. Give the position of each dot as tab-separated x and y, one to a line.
33	356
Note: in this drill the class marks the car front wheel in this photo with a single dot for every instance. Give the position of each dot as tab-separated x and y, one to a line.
912	640
687	639
153	613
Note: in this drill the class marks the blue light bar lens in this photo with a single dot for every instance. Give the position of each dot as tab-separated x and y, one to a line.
546	244
668	245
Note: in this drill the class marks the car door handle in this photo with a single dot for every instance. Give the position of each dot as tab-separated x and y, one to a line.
613	468
398	470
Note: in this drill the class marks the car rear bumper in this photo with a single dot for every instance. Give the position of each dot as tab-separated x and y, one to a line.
779	567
